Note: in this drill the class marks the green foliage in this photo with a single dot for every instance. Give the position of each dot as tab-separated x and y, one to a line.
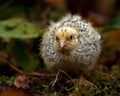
7	81
21	55
114	24
20	31
19	28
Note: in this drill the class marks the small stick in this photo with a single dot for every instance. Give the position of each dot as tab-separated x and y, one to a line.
105	74
56	78
26	73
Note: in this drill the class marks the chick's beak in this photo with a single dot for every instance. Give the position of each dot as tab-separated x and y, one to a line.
62	43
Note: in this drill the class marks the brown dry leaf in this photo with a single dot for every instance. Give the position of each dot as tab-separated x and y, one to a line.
21	82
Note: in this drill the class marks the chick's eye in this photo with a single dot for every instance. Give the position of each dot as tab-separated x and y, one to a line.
71	37
56	38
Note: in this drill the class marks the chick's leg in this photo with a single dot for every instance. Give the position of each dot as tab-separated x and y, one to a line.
61	76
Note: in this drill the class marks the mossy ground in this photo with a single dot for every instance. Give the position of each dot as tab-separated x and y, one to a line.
100	84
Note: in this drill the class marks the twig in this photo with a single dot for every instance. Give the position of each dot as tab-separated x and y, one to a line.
105	74
26	73
56	78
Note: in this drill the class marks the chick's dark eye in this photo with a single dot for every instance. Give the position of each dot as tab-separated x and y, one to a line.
56	38
71	37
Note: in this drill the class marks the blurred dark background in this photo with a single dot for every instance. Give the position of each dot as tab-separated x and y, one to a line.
22	25
99	11
23	22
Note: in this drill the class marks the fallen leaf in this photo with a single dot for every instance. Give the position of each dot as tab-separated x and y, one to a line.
21	82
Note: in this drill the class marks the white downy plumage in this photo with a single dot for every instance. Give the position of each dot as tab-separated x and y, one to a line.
80	49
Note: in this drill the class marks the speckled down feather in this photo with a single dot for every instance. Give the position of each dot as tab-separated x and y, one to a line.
84	57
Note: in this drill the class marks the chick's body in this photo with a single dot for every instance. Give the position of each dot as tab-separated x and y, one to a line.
71	44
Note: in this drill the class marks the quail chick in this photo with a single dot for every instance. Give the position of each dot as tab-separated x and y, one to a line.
71	44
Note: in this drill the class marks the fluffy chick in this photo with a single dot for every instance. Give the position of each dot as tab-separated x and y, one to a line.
71	45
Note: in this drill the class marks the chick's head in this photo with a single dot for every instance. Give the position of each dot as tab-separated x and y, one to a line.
66	39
